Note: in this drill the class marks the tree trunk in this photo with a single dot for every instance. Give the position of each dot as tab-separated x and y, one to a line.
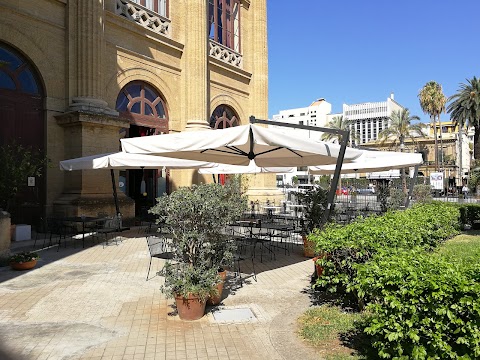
436	141
441	142
460	152
476	142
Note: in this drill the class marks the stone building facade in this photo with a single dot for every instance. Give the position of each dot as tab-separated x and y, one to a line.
99	70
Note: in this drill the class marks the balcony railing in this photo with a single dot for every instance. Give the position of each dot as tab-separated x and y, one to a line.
222	53
141	15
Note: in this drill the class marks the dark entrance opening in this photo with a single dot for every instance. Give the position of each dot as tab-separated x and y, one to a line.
23	122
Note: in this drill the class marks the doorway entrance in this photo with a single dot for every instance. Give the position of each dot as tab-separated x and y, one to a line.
23	123
143	105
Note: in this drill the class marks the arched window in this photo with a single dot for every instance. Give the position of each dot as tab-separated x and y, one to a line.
143	105
224	22
223	117
16	74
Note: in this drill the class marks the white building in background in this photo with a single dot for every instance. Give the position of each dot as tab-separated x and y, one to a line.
316	114
370	118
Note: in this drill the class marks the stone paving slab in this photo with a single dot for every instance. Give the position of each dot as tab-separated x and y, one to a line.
95	304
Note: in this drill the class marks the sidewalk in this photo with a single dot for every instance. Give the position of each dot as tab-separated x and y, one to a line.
94	303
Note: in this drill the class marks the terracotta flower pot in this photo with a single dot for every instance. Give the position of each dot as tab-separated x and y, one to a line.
190	308
24	265
215	299
318	268
308	247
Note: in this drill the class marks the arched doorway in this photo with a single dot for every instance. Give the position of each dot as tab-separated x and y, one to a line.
223	117
143	105
23	122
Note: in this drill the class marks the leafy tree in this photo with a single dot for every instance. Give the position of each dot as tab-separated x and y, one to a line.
340	123
18	163
432	101
464	109
400	128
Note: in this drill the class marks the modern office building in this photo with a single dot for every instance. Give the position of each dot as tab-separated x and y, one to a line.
370	118
76	76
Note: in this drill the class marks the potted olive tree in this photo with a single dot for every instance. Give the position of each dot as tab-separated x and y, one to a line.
196	218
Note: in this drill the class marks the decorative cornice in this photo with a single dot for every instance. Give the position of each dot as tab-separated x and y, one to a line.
159	38
245	76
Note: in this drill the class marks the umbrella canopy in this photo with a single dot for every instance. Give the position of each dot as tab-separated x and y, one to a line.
123	161
238	145
238	169
372	161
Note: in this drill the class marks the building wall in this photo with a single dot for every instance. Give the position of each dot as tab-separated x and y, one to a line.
85	53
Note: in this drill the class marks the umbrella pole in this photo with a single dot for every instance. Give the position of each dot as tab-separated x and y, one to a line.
336	177
412	184
114	187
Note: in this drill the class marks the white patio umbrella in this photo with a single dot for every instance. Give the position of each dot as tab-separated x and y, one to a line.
373	161
124	161
238	169
267	147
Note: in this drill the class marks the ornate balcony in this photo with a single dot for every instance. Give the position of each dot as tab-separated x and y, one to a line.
224	54
141	15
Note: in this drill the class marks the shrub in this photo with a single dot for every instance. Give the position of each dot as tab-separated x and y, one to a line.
470	215
424	226
422	193
421	305
396	199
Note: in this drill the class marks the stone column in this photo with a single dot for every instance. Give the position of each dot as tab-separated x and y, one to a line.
196	66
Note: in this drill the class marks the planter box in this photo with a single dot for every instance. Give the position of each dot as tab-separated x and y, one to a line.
22	232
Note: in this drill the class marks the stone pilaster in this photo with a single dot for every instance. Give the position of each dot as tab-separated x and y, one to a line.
89	192
261	186
196	66
87	49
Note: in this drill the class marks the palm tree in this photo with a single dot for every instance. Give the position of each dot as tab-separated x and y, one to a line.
401	128
339	123
432	101
464	109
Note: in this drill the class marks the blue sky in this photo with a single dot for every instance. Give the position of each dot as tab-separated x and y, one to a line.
351	51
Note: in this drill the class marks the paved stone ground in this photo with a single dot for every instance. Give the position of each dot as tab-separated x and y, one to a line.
94	303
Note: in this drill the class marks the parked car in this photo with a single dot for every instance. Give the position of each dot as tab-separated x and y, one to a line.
366	191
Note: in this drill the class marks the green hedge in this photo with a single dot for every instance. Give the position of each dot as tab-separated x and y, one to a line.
424	225
422	305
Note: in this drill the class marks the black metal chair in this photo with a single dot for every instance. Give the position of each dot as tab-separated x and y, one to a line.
158	247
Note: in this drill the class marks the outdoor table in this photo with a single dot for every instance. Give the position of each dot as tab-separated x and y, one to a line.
270	209
278	230
255	238
296	207
83	220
